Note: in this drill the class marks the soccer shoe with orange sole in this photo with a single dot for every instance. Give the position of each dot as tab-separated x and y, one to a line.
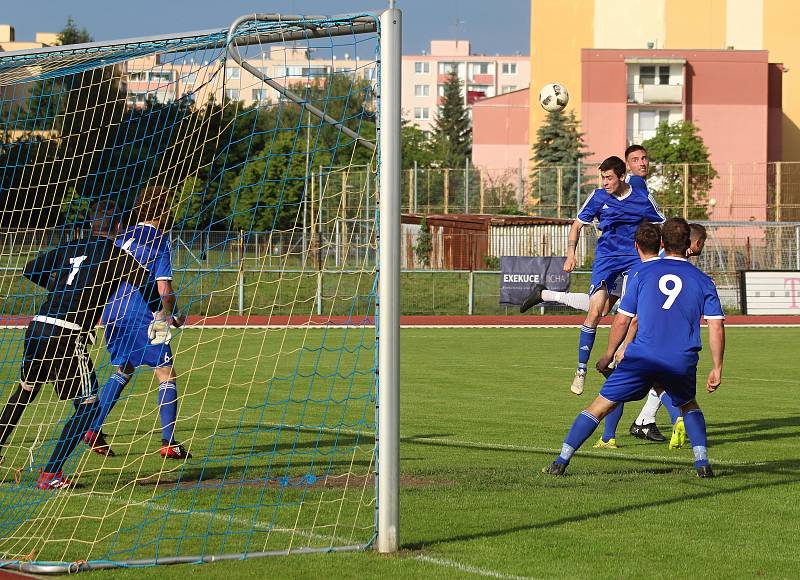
174	450
97	443
52	481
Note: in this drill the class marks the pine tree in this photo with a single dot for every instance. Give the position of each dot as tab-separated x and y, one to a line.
675	149
559	143
452	128
71	34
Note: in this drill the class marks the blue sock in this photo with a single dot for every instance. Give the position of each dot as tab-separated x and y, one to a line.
73	430
674	412
611	422
168	409
582	428
585	344
695	424
109	395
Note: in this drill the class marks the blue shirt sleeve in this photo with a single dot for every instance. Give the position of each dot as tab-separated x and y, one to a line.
638	182
162	265
712	309
591	208
630	300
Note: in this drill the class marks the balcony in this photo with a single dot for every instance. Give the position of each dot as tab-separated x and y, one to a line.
655	94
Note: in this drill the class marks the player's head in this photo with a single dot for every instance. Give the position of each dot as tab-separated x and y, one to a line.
105	218
698	235
648	240
612	171
675	234
153	205
636	158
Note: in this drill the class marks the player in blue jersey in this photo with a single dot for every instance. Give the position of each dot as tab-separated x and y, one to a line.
127	321
669	296
619	208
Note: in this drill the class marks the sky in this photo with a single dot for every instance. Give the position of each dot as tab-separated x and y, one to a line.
491	31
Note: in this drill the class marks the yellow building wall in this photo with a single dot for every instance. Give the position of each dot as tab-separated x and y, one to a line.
781	40
693	24
559	30
628	23
745	24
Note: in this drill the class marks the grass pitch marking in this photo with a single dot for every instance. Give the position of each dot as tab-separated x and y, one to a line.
467	568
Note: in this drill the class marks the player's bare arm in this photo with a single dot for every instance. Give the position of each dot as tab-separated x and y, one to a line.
716	340
572	245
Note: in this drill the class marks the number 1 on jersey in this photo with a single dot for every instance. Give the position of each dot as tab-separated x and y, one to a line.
76	264
670	293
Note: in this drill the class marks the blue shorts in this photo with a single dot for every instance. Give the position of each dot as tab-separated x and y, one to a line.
606	270
131	345
634	376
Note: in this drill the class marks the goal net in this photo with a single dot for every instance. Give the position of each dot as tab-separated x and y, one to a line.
262	140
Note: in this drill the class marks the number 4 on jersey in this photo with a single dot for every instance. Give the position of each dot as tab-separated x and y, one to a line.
670	293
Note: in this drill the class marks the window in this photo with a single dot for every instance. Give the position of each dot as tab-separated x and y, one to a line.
421	113
232	94
647	121
508	88
446	68
232	73
647	75
294	71
422	67
259	95
315	71
440	90
191	78
369	73
509	68
663	117
480	68
422	90
663	75
137	76
161	76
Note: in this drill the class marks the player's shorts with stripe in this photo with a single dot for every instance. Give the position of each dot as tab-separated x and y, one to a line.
634	376
129	344
58	356
609	270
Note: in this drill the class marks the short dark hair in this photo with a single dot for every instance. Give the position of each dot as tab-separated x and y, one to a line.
153	203
648	238
633	148
614	164
104	217
698	232
676	235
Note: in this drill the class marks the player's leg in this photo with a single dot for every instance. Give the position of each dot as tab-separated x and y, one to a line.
15	406
587	335
109	395
168	409
539	293
608	440
644	427
682	389
582	428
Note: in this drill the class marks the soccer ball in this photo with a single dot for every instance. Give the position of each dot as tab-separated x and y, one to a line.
553	97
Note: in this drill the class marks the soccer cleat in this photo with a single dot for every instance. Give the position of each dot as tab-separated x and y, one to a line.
174	450
97	443
577	383
678	435
647	432
555	468
534	298
610	444
49	481
705	471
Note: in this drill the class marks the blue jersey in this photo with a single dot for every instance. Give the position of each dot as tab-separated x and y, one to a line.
151	249
619	217
669	296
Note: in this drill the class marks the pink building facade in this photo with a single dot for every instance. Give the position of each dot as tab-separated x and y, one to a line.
733	96
500	140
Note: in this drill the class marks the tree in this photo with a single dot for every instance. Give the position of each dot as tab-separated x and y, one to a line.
452	129
417	146
557	152
71	34
424	245
675	150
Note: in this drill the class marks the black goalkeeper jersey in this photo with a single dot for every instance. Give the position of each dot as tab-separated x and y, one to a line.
81	276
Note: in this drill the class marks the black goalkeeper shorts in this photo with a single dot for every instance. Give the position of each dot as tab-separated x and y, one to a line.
54	355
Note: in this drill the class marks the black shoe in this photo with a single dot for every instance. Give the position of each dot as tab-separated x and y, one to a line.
555	468
534	298
648	432
705	471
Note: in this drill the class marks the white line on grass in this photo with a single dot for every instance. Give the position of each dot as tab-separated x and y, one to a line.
467	568
588	452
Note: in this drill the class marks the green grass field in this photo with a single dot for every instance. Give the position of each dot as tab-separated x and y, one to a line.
482	411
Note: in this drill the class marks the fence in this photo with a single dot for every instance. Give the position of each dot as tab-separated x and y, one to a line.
722	191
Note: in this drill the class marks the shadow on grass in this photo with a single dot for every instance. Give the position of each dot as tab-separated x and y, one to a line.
762	429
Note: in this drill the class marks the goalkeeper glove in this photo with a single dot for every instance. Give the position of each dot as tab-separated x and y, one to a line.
158	331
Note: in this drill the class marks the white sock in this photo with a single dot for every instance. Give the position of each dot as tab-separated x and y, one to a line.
651	406
574	299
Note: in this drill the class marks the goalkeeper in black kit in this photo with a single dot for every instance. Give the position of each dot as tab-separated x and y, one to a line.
80	277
